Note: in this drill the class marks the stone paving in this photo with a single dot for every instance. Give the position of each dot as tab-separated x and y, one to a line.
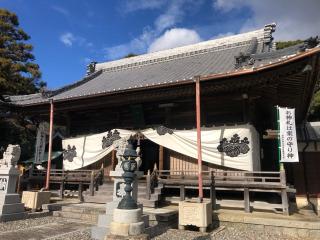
56	228
43	228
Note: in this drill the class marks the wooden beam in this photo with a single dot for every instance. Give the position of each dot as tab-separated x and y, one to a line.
161	155
198	120
113	159
50	146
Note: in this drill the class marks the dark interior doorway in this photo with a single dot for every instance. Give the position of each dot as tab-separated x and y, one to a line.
149	155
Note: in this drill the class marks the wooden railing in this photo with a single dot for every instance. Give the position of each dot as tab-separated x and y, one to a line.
79	177
225	178
245	181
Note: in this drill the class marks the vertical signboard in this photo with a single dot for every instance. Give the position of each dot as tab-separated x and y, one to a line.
287	135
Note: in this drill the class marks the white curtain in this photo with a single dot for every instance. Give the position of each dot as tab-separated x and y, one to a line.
185	142
85	150
89	148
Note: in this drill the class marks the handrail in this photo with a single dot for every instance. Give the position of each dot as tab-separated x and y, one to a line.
227	177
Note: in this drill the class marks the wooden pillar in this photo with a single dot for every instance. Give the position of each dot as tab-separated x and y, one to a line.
148	185
212	191
113	159
284	200
50	146
284	195
246	200
161	156
61	189
80	197
91	187
198	121
182	188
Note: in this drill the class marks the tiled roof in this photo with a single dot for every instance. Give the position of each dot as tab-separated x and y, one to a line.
170	66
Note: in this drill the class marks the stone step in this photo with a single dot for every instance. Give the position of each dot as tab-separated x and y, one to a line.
149	203
89	218
97	199
97	193
83	210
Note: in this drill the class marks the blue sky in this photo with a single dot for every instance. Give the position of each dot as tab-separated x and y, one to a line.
68	34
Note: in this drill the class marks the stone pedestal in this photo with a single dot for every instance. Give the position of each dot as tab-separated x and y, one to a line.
127	222
196	214
11	207
35	199
104	220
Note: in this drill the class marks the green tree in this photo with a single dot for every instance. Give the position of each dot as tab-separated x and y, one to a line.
314	111
18	72
285	44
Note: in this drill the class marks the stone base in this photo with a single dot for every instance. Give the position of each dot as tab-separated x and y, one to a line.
136	237
196	214
34	200
104	220
127	222
126	229
11	208
13	216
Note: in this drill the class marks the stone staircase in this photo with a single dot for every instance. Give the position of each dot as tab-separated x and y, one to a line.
157	220
104	195
85	212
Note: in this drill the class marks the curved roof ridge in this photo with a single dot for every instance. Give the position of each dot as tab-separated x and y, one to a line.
262	35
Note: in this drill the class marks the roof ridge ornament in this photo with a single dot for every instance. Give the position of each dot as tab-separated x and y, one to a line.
309	43
91	68
268	38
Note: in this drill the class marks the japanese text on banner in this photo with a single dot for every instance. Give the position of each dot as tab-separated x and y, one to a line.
288	136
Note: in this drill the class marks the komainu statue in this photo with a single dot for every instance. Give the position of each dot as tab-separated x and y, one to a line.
10	156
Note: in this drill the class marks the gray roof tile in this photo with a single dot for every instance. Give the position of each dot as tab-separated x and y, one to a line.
211	57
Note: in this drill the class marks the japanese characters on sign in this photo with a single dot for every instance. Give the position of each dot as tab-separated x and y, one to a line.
288	136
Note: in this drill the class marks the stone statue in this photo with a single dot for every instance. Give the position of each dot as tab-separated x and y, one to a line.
10	156
11	207
120	146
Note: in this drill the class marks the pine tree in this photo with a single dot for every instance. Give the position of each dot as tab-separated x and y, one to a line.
18	72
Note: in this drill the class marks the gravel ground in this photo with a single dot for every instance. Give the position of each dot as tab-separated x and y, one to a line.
27	223
225	232
78	235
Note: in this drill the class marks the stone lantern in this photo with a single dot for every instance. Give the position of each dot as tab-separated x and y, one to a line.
127	217
129	166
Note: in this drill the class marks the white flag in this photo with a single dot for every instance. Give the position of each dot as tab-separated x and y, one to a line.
288	136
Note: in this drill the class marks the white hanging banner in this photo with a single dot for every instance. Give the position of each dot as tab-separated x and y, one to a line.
82	151
287	135
229	146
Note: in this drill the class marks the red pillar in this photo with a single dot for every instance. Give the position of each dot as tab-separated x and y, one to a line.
198	120
50	146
